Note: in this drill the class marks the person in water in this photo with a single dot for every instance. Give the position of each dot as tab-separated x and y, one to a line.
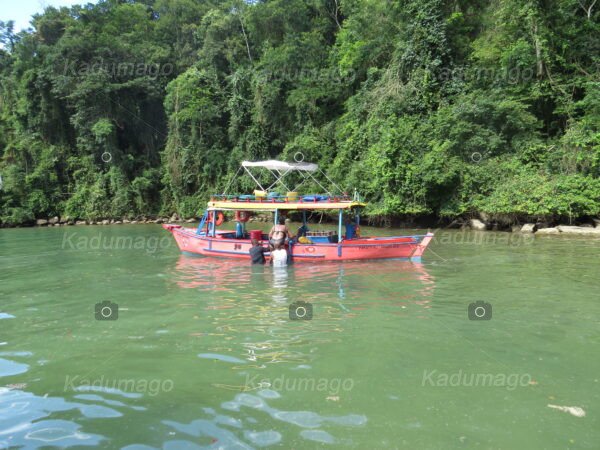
257	252
279	256
279	233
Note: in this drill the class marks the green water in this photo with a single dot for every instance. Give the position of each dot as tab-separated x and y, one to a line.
204	355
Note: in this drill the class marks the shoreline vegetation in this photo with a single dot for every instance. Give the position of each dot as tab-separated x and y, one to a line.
437	113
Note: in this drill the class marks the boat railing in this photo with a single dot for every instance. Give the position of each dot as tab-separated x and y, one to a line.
280	198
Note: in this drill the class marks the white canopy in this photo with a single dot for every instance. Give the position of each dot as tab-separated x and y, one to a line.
282	165
279	170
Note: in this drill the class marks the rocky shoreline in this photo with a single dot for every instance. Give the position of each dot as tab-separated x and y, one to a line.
590	228
57	221
67	221
542	229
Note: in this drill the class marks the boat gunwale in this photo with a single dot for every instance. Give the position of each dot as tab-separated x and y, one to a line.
346	243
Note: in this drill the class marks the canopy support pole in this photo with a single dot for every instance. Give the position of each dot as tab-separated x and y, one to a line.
279	179
231	181
252	176
331	181
327	191
340	225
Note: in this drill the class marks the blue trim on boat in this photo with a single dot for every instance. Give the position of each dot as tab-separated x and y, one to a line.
343	244
380	244
234	241
415	259
226	251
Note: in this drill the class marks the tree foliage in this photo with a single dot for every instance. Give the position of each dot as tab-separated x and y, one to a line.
431	107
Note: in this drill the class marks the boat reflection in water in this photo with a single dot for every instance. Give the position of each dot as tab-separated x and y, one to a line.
353	285
247	306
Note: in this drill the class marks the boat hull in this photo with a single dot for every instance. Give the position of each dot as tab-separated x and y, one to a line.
406	247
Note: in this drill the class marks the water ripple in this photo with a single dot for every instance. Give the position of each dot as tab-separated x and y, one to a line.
26	421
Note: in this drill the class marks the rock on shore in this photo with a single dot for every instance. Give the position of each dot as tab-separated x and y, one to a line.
567	229
547	231
528	228
570	230
477	224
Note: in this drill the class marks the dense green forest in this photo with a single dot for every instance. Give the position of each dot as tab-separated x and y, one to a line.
430	108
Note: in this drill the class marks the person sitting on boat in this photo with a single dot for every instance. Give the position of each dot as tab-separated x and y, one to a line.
302	231
350	228
257	252
279	233
291	238
279	256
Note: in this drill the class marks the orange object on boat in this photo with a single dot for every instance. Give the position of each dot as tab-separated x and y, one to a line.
220	218
242	216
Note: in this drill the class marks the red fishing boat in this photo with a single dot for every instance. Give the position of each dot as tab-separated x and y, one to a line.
345	243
